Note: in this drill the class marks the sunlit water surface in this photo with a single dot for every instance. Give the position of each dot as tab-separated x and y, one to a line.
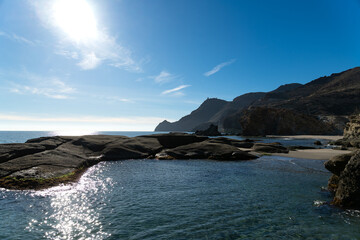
267	198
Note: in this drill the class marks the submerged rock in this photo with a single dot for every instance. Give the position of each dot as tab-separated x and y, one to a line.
48	161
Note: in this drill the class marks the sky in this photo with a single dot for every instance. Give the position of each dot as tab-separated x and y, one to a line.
126	65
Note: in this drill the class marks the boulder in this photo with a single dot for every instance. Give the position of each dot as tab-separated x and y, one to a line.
209	150
270	148
337	164
172	140
212	130
347	194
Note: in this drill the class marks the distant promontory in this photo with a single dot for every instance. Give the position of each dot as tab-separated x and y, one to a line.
321	106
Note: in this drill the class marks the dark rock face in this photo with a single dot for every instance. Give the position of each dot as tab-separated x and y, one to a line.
351	133
211	131
345	183
352	128
44	162
348	191
337	164
261	121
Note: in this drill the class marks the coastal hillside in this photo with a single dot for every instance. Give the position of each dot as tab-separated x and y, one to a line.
322	104
208	109
338	94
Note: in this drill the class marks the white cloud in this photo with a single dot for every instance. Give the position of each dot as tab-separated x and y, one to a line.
119	99
50	87
218	68
163	77
89	61
17	38
67	54
80	36
176	90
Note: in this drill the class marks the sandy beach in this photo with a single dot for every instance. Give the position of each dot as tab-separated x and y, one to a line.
327	137
318	154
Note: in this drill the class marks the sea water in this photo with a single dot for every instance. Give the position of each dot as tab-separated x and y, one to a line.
267	198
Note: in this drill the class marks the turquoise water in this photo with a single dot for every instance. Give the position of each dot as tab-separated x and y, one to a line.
267	198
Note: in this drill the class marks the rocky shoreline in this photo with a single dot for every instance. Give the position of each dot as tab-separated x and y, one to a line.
345	181
48	161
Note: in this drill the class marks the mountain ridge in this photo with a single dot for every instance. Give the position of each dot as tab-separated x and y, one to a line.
329	99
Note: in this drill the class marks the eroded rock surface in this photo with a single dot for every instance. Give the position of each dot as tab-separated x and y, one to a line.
345	182
48	161
270	148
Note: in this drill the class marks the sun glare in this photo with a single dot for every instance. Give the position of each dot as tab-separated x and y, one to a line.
76	19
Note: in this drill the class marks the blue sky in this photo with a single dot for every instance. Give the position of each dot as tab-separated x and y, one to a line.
128	64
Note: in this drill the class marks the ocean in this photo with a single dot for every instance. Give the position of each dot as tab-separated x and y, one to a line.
267	198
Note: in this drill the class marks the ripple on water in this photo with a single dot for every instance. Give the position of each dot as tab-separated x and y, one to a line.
269	198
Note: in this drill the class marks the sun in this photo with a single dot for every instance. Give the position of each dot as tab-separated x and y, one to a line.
76	19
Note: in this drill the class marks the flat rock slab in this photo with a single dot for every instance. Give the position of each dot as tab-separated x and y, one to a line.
53	159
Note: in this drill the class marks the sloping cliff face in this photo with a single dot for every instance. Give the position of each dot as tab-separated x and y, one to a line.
261	121
203	114
338	94
328	99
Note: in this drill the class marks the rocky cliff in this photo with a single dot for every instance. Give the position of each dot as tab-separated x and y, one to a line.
261	121
351	133
345	181
352	128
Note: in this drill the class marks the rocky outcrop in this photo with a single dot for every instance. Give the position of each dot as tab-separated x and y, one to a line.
212	130
208	149
261	121
351	133
352	128
269	148
48	161
345	183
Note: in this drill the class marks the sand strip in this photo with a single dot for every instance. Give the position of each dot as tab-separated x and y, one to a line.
318	154
326	137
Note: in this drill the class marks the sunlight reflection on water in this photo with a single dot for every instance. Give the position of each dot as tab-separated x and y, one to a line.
73	213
